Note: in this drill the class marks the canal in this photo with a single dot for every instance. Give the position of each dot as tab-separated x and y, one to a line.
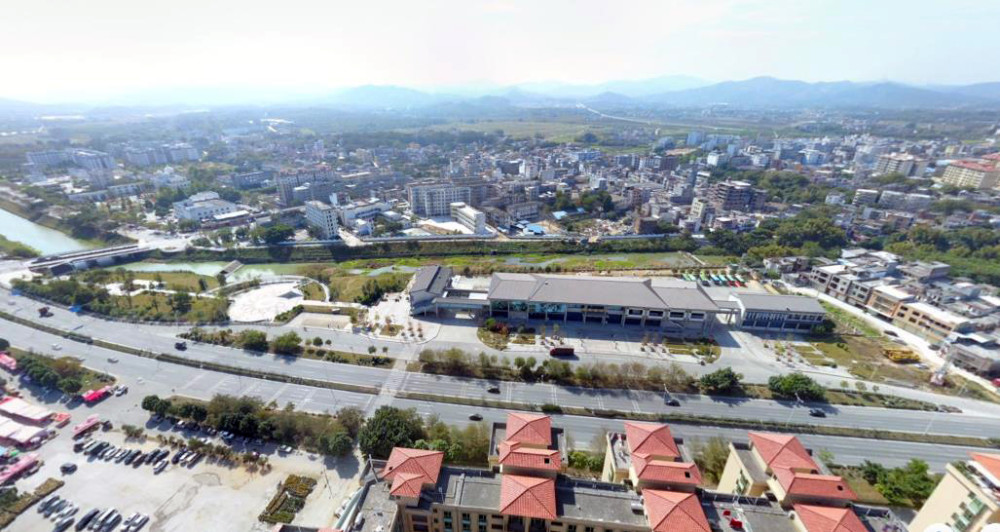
47	241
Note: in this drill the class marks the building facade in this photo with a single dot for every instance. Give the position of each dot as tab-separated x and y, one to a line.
323	217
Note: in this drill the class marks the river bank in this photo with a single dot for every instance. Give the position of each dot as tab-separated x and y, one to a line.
42	234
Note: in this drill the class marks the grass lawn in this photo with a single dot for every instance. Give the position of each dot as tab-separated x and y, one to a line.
492	339
313	292
348	287
157	306
179	281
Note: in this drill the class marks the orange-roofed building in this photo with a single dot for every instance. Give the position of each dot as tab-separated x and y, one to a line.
967	498
827	519
532	430
646	455
671	511
410	470
781	465
516	458
531	497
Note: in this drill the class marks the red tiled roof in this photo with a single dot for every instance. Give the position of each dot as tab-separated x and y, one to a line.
517	455
992	157
671	511
533	429
657	470
407	484
810	485
528	496
651	439
973	165
827	519
782	450
989	461
421	462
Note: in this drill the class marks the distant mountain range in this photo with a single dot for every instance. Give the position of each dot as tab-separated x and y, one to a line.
661	92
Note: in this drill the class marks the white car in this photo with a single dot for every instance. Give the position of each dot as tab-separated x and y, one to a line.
56	347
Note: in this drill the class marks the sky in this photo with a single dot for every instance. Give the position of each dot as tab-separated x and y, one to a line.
93	50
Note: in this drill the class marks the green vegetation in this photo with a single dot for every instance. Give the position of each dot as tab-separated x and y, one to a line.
289	500
313	292
811	232
392	427
289	343
248	416
13	504
711	456
909	485
971	251
724	381
64	373
176	281
18	250
144	306
796	386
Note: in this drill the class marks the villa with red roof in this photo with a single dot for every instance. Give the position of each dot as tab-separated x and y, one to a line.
646	455
526	490
779	464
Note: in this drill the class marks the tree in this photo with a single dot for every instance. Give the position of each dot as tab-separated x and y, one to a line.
202	284
4	344
797	386
149	402
278	233
70	385
180	302
911	484
724	381
336	443
711	457
287	344
252	340
352	418
389	427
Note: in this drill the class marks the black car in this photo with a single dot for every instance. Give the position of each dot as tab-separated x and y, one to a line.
673	402
67	468
476	417
815	412
493	389
180	346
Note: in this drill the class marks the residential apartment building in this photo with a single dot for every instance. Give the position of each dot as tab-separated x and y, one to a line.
296	187
736	196
647	456
472	219
361	210
414	491
432	200
929	322
900	163
966	498
323	218
971	174
974	352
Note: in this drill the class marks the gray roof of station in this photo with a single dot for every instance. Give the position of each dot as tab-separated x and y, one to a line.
780	303
589	290
433	279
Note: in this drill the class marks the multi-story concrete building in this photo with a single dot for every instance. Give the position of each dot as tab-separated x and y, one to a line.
361	210
296	187
929	322
736	196
645	456
900	163
966	499
434	199
974	352
778	312
323	217
413	491
202	206
971	174
865	196
473	219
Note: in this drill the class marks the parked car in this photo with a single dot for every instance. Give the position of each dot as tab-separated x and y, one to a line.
86	519
67	468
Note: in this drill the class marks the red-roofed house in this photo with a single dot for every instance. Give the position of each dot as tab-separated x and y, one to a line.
533	430
532	497
410	470
671	511
516	458
971	173
827	519
778	463
647	456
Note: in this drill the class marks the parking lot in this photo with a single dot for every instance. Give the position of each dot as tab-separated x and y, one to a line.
205	496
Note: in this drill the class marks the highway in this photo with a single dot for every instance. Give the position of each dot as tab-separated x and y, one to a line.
148	376
161	339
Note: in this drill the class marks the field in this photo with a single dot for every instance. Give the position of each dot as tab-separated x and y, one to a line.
313	292
347	288
179	281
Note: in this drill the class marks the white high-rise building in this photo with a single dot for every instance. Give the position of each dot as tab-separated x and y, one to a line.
472	218
323	217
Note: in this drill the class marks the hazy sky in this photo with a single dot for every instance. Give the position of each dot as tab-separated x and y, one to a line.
86	49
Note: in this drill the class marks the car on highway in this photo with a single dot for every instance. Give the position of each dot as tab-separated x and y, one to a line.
113	360
672	402
56	347
890	333
180	346
815	412
493	389
476	417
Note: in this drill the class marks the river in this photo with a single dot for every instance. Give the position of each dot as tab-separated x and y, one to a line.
47	241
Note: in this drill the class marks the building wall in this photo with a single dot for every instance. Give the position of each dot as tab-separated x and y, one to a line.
953	499
736	477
